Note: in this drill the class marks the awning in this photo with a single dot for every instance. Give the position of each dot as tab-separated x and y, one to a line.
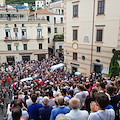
39	53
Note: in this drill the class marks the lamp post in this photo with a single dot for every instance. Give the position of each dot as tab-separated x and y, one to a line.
92	36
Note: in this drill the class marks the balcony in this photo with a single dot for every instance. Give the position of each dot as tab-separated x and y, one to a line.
16	38
59	50
58	38
12	19
40	37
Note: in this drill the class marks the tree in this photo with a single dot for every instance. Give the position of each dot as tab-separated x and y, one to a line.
114	68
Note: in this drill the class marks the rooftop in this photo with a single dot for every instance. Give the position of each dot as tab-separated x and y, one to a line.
41	11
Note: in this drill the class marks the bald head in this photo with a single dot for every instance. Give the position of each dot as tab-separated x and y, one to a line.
74	103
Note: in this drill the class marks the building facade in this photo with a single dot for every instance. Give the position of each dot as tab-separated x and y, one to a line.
92	33
55	26
22	40
39	4
58	9
43	14
2	2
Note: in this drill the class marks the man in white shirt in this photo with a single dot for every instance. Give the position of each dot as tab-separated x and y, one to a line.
102	102
75	113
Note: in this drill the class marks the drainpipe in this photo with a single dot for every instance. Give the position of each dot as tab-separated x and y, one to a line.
91	62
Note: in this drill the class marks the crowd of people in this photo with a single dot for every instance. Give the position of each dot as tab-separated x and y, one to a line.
57	95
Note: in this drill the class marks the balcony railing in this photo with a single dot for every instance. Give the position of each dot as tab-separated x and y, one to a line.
40	37
12	19
59	50
16	38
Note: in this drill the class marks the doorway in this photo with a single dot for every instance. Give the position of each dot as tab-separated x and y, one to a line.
97	68
74	69
25	58
41	57
10	60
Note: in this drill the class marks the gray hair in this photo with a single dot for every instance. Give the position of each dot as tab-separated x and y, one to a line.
61	117
61	100
45	100
74	103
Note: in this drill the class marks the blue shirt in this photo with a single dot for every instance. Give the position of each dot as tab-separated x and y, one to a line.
109	107
45	112
59	110
33	111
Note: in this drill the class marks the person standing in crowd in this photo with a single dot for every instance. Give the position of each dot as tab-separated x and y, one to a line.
75	113
60	110
45	111
102	102
81	95
19	104
33	109
16	113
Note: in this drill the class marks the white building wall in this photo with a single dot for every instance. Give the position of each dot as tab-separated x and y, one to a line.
57	44
109	22
39	4
32	41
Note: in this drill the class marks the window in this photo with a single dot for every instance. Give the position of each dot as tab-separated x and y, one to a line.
7	33
9	47
60	47
55	30
74	56
61	19
15	25
39	25
16	47
48	40
97	60
24	33
48	18
63	30
39	33
16	36
75	34
62	12
75	11
15	29
23	25
99	35
6	25
113	50
59	11
25	46
54	19
101	7
49	30
40	45
98	49
83	57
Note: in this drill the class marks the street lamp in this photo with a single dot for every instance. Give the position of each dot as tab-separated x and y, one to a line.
92	36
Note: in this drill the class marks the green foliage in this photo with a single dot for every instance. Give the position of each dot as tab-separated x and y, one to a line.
59	37
20	1
31	9
114	68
